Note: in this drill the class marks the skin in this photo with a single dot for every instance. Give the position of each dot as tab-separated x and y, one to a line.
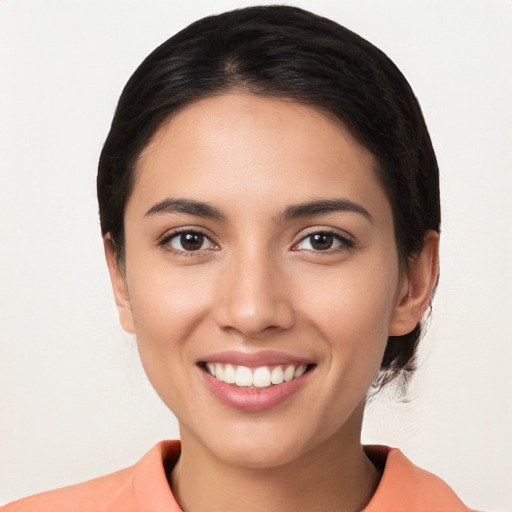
258	283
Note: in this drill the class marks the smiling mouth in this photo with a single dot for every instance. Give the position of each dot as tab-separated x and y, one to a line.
258	377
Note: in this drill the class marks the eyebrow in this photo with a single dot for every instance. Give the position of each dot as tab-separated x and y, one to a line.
202	209
324	206
199	208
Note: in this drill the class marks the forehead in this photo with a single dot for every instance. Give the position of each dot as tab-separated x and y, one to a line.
263	148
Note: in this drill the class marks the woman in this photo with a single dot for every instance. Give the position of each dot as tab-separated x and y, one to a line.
270	210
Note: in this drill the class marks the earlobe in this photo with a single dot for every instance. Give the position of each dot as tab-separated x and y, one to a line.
119	287
417	288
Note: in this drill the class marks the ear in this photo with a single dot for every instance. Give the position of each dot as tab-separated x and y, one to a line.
119	286
417	287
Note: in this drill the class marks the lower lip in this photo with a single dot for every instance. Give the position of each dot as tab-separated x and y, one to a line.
254	400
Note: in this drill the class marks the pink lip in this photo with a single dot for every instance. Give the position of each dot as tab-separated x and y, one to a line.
254	400
254	359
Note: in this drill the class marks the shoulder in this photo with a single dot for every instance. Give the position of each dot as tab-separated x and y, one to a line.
406	487
90	495
144	482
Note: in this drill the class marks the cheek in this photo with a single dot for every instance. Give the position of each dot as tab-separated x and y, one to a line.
167	307
353	300
352	309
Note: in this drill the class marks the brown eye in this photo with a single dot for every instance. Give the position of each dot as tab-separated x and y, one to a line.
190	241
321	241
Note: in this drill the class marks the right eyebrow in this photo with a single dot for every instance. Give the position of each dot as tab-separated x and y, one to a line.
324	206
188	206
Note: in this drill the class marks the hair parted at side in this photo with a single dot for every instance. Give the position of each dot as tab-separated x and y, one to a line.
289	53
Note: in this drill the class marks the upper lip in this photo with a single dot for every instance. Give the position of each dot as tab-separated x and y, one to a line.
254	359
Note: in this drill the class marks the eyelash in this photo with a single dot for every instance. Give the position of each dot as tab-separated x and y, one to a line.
165	242
345	242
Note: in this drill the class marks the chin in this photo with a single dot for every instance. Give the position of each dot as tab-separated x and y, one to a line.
265	447
266	456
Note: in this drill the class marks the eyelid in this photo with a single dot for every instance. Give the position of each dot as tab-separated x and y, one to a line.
163	240
347	240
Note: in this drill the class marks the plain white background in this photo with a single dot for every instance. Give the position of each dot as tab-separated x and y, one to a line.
74	402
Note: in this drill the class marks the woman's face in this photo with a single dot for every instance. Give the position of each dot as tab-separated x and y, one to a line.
259	247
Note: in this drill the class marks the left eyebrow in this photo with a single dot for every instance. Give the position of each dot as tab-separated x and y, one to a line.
187	206
323	206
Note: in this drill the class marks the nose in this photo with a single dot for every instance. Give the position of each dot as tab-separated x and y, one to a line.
254	298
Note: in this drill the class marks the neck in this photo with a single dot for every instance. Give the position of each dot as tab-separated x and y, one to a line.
335	475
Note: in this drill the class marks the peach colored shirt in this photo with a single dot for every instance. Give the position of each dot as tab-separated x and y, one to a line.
143	487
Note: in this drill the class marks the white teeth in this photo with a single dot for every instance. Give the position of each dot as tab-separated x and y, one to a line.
289	373
300	370
261	377
219	371
229	374
211	368
243	376
277	375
